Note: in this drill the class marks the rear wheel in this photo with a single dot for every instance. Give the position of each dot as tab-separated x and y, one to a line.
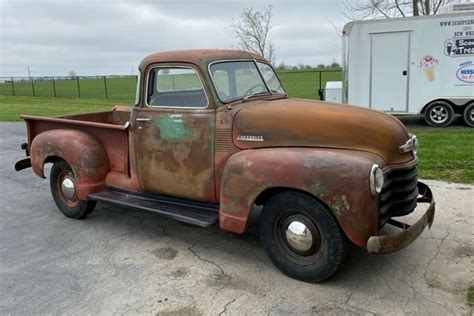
301	237
439	114
468	114
63	189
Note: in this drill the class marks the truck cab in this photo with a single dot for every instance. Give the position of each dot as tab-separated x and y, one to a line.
212	134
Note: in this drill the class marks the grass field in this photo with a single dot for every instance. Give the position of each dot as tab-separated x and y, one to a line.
304	84
117	88
446	154
12	107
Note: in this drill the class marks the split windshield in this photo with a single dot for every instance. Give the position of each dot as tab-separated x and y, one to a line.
235	80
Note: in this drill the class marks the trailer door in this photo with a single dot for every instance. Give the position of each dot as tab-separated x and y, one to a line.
389	71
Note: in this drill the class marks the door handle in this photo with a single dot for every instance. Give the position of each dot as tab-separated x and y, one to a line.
404	72
143	119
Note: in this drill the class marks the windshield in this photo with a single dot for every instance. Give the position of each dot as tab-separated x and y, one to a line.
240	79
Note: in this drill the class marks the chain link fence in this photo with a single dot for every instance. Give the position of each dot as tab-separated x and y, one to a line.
113	87
308	84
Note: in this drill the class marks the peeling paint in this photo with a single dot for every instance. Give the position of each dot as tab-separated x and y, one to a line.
172	128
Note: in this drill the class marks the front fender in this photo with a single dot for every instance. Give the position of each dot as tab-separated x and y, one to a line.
338	178
83	152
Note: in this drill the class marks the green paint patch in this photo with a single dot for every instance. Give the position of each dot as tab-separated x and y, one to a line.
470	295
319	190
173	128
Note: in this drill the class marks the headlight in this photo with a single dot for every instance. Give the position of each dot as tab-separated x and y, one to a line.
376	180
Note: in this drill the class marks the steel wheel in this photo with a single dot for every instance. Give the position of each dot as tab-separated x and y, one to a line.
301	236
298	236
439	114
468	114
63	188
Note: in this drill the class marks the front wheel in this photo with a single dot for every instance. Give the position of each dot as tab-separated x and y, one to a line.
301	237
468	114
63	189
439	114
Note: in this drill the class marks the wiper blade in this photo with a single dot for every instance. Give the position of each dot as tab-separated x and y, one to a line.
254	95
278	92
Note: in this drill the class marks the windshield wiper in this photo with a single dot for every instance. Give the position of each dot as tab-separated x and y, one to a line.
254	95
278	92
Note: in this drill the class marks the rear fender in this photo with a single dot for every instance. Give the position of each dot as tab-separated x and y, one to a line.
83	152
338	178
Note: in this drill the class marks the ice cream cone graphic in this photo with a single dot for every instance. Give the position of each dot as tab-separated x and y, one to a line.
428	64
430	74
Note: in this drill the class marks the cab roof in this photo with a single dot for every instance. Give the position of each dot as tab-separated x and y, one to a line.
199	57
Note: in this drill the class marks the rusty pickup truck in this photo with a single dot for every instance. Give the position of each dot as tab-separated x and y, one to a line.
212	134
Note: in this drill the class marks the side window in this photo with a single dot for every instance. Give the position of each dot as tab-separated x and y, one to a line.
175	87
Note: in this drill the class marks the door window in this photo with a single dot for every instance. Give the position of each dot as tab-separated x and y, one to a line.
176	87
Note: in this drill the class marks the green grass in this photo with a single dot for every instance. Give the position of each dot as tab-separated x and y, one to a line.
446	154
305	84
117	88
298	84
470	295
12	107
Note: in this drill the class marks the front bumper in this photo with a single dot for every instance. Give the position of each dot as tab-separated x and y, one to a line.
394	242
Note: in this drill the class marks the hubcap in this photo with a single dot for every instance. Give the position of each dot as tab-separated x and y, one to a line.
299	236
439	114
68	188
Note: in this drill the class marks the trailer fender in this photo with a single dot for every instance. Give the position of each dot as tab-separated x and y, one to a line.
338	178
84	153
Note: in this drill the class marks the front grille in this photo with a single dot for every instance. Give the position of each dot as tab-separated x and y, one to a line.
399	192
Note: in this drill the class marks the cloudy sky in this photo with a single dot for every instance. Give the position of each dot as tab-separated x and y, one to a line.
112	36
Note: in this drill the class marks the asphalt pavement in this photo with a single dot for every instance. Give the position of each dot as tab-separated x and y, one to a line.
122	262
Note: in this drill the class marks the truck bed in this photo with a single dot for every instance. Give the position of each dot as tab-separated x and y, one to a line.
110	127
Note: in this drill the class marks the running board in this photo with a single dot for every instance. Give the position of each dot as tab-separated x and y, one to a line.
191	212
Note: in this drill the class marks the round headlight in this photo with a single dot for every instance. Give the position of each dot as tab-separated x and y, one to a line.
376	180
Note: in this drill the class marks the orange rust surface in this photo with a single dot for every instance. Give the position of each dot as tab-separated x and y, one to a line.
82	151
306	123
339	178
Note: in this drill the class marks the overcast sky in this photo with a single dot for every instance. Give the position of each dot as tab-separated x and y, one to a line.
112	36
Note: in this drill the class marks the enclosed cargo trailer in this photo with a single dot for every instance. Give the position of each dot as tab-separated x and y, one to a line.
412	65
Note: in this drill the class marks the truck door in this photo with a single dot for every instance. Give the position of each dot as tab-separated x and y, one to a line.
173	135
389	62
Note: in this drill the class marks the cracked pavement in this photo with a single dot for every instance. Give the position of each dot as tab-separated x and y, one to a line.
125	262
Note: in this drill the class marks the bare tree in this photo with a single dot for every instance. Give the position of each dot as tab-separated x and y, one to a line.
72	74
251	31
370	9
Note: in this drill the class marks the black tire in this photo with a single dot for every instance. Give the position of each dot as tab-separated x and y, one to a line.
439	114
468	114
70	206
328	246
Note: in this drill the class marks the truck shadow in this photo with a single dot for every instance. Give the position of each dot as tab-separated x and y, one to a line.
220	246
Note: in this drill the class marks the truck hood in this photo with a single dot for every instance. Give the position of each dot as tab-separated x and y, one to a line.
306	123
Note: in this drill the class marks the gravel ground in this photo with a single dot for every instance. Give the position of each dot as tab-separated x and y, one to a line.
123	262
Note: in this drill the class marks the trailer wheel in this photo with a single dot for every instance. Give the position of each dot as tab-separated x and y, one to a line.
468	114
301	237
439	114
63	189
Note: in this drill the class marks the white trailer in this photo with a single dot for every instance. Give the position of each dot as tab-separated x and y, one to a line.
412	65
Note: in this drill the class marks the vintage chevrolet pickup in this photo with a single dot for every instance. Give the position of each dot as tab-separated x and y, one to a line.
212	134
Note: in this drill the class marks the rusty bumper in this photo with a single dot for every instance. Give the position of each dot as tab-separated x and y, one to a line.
394	242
